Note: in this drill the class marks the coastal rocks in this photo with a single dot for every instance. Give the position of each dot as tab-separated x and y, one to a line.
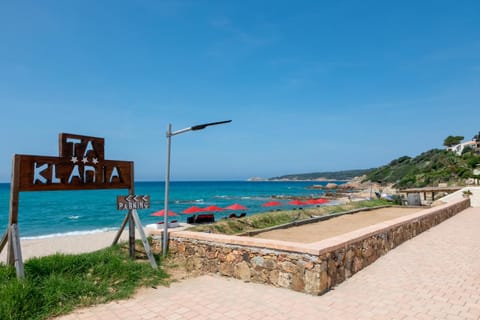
331	185
328	186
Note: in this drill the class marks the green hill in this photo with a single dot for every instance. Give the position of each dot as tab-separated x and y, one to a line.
428	169
337	175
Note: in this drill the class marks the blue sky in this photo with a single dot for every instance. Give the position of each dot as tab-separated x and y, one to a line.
310	85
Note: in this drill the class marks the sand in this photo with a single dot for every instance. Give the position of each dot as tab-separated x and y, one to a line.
318	231
66	244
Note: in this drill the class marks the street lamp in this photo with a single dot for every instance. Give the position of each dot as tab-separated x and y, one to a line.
170	134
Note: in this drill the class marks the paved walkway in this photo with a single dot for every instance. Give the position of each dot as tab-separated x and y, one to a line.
433	276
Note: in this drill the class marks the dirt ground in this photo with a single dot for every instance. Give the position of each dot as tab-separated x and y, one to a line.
317	231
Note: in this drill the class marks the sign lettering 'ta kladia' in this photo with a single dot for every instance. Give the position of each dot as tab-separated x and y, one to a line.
81	165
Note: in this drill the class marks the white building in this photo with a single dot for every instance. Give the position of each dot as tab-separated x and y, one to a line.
458	149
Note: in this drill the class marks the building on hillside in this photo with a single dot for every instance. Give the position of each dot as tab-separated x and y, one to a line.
474	144
458	149
476	138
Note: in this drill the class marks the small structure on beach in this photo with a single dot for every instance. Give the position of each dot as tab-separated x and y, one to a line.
428	192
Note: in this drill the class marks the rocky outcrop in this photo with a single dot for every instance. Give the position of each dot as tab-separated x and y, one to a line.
331	185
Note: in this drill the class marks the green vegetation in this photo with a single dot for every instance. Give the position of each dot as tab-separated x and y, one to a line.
428	169
59	283
275	218
452	140
337	175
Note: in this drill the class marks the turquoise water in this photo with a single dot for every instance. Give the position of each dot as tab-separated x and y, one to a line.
53	213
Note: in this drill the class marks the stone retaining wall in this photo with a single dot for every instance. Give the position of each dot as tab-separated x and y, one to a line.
312	268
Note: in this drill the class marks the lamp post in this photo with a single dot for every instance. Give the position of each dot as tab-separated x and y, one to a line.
170	134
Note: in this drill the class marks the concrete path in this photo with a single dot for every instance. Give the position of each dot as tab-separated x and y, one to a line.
433	276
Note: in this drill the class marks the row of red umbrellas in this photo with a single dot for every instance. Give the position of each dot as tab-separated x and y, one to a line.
237	206
195	209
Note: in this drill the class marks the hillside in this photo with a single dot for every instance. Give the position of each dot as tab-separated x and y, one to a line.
335	175
428	169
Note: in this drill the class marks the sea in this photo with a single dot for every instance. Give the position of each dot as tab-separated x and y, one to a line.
59	213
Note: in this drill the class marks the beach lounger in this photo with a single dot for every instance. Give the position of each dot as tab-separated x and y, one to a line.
159	225
205	218
173	224
191	219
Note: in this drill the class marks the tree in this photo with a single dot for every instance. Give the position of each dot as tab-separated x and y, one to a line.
452	140
476	137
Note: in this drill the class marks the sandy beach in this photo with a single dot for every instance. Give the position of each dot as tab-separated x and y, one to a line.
66	244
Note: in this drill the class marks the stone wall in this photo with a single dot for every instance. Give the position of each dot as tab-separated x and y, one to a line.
312	268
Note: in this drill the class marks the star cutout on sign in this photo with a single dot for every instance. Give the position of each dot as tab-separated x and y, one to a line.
95	161
85	160
74	159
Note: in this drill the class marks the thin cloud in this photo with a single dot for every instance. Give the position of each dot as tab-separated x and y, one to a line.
305	73
235	36
462	51
220	22
170	8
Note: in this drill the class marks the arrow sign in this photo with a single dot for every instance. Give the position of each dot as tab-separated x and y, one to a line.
131	202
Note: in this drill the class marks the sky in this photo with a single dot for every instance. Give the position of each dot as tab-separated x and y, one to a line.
310	86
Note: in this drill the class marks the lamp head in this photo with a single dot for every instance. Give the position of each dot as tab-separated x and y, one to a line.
203	126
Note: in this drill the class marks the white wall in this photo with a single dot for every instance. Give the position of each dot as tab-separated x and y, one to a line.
474	198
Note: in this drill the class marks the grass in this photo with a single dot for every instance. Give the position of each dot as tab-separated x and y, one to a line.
57	284
275	218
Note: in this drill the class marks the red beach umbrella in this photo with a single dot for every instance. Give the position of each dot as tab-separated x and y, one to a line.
297	202
212	208
161	213
321	200
236	206
272	204
311	201
193	209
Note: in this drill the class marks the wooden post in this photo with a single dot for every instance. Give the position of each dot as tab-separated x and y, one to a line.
122	227
144	239
17	251
131	221
14	253
4	240
131	235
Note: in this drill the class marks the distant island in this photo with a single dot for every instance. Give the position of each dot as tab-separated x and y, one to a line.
344	175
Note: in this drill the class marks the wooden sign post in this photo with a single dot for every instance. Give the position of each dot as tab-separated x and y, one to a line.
132	203
81	165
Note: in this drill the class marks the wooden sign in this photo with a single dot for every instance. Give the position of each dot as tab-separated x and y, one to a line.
133	202
81	165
